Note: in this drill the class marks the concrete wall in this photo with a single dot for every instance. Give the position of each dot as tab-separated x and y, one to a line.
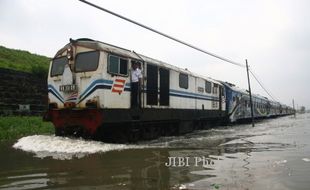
22	93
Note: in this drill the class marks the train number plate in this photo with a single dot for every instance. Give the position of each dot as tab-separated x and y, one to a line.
68	88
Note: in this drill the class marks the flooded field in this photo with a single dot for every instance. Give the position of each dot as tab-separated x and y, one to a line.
275	154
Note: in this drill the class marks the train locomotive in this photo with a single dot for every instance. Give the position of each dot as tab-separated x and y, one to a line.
89	95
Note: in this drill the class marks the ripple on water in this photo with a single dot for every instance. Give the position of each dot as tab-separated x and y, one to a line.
29	181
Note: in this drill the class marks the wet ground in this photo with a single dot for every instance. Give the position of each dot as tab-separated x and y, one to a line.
275	154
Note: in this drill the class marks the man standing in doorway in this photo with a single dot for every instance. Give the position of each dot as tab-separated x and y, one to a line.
136	81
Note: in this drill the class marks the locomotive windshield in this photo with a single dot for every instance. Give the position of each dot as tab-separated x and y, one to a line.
87	61
58	66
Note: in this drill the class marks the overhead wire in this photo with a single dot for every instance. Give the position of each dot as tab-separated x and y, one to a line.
177	40
261	84
163	34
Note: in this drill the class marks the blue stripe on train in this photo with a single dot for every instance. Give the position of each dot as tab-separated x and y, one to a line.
97	86
107	84
96	82
52	90
191	95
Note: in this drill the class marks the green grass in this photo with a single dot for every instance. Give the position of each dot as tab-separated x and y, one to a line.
13	127
23	61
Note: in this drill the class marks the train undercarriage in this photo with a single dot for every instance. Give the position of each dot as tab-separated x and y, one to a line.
130	125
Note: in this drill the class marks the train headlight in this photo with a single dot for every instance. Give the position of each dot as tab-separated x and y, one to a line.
69	53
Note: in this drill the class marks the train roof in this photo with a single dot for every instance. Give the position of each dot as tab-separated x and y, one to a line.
243	91
89	43
97	45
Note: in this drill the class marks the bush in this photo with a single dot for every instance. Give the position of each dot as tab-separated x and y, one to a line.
23	61
12	127
39	71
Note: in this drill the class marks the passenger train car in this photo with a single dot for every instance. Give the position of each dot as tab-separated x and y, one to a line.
89	94
239	109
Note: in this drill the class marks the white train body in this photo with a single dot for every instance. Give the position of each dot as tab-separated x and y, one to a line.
93	76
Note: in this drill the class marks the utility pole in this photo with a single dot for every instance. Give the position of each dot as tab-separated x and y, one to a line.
250	93
294	108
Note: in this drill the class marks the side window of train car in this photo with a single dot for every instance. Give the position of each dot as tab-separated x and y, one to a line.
58	66
117	65
222	91
183	81
215	88
208	87
87	61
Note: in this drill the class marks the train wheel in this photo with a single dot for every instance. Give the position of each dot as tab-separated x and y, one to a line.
169	129
133	135
85	135
59	131
150	132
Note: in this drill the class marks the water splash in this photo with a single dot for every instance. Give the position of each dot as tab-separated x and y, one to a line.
279	162
66	148
306	159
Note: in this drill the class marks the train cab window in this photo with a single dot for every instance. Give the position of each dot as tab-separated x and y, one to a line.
58	66
215	88
183	81
87	61
117	65
208	87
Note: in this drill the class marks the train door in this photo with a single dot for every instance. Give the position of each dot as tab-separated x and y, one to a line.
220	97
164	87
152	85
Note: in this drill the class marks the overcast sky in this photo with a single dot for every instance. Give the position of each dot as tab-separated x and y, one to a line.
274	35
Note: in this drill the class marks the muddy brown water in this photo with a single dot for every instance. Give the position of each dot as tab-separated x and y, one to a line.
275	154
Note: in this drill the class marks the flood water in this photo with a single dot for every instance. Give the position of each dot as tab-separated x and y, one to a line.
275	154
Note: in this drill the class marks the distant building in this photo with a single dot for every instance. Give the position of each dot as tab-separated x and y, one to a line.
302	109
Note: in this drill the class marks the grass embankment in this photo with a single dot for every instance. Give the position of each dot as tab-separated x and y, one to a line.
13	127
23	61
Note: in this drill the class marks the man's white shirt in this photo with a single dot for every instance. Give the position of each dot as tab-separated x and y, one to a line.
136	75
